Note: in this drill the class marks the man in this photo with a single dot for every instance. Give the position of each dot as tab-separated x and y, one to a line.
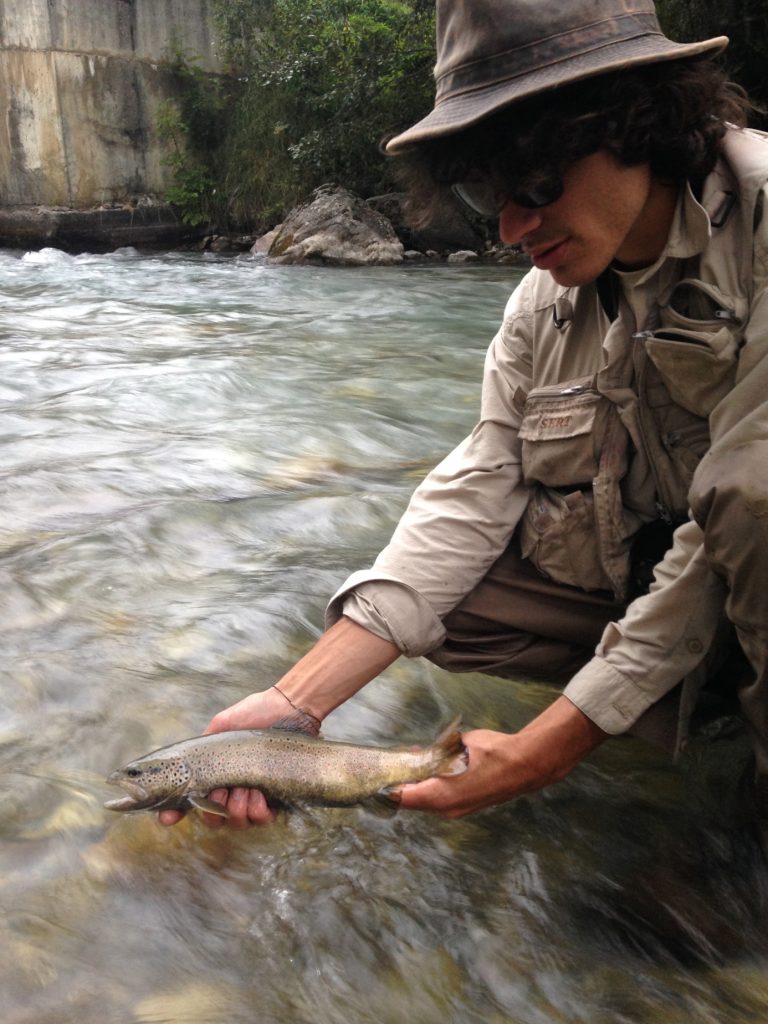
623	417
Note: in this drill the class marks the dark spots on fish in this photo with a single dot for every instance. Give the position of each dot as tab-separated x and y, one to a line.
174	772
179	773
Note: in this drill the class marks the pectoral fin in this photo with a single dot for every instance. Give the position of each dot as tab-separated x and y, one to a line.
202	803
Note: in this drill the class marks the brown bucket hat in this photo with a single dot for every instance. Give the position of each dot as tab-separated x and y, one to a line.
493	52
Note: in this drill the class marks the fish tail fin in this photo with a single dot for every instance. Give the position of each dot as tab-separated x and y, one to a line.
450	753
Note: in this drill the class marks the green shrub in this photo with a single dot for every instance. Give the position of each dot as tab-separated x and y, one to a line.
322	81
193	126
192	186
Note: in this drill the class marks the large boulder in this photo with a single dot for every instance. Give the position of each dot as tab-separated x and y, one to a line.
337	227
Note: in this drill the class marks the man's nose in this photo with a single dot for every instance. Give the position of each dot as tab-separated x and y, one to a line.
515	222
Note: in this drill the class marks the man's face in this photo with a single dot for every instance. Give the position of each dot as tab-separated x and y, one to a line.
608	212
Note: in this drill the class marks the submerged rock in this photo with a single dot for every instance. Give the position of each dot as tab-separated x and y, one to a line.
464	256
337	227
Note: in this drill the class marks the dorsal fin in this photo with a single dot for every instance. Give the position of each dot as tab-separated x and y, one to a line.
298	721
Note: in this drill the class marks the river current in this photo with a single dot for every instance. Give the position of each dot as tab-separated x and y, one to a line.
195	451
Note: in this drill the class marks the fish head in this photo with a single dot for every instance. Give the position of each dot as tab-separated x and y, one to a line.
152	783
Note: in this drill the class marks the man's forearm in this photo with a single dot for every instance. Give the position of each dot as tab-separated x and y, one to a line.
343	660
557	740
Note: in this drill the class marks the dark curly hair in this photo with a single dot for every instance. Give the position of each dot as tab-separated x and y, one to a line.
671	116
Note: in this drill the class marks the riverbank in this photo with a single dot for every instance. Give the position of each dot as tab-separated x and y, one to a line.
379	228
144	225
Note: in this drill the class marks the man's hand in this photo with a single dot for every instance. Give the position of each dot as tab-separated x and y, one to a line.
504	766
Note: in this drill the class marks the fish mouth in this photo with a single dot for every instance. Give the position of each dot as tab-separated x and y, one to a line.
123	803
140	798
136	791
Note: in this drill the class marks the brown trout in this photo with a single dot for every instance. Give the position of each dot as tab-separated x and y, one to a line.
289	768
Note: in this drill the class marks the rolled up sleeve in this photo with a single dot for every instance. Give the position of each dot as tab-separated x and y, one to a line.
391	610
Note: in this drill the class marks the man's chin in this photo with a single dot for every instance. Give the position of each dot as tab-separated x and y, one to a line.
576	275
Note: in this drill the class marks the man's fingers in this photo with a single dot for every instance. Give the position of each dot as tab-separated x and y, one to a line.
430	795
237	805
246	807
170	817
259	812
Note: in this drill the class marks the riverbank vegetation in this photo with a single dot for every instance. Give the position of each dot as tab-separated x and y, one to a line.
320	83
745	22
314	85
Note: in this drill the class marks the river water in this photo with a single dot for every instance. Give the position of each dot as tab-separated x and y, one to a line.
196	450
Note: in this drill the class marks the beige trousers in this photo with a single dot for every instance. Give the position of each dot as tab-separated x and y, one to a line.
517	622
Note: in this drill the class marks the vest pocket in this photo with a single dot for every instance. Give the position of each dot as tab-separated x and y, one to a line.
695	349
558	536
698	368
685	446
561	433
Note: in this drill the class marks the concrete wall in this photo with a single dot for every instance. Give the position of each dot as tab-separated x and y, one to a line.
80	85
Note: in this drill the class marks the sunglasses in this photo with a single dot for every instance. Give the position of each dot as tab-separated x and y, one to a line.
488	198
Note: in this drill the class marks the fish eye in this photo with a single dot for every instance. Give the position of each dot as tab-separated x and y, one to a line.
133	773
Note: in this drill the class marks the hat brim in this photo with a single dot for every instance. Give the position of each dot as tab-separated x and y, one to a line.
462	110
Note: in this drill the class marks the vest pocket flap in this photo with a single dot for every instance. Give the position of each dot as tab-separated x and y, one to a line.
698	368
698	305
549	418
561	435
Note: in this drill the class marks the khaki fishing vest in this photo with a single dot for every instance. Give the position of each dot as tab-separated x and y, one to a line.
608	450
